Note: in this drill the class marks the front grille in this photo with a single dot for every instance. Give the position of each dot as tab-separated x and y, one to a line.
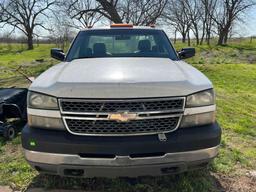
93	117
91	106
109	127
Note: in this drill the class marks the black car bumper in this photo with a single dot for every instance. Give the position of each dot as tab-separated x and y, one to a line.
60	152
186	139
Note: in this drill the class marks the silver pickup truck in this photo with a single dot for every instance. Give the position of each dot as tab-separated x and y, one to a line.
121	103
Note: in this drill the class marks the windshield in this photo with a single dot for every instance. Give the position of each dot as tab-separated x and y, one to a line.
121	43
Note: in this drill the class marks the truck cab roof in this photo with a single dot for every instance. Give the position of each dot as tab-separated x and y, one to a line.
121	26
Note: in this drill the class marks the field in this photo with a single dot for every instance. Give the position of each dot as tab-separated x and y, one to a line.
13	56
232	69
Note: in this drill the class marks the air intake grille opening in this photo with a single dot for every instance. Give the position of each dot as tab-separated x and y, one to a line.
115	106
160	125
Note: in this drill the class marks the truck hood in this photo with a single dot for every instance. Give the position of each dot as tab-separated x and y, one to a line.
121	78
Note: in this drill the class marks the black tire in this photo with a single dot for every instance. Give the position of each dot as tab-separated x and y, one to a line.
9	132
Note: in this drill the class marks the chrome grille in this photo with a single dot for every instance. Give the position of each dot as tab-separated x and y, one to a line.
107	127
94	117
80	106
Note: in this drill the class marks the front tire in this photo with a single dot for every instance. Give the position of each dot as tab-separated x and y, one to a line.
9	132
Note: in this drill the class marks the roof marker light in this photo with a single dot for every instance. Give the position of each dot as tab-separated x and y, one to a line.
121	25
152	25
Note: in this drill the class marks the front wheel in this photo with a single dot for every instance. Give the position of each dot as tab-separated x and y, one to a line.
9	132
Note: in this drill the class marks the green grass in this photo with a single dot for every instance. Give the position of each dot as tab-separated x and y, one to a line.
235	86
235	52
32	62
14	54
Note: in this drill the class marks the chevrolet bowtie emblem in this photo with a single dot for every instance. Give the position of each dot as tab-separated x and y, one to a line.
123	116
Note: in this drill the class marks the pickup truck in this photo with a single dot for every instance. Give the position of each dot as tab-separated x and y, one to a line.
122	103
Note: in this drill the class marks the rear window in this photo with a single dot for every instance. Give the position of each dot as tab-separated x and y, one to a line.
121	43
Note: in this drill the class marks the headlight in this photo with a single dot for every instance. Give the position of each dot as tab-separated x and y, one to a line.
45	122
41	101
203	98
198	119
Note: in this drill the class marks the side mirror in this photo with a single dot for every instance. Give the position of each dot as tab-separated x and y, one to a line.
57	54
187	53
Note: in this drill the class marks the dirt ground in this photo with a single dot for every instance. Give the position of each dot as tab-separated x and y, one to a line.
244	183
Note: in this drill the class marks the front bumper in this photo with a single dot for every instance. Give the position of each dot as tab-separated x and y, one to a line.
59	152
120	166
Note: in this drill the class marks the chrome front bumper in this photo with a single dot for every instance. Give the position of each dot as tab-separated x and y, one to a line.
57	159
120	165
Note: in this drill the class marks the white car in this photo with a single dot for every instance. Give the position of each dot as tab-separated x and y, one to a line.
121	103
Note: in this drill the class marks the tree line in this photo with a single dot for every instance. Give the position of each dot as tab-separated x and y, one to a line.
202	19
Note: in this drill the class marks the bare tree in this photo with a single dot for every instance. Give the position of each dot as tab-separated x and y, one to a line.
208	9
176	14
106	8
109	9
24	15
226	13
83	18
194	12
205	17
143	12
62	30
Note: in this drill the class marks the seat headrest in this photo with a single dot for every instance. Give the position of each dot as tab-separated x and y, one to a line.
144	45
99	49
